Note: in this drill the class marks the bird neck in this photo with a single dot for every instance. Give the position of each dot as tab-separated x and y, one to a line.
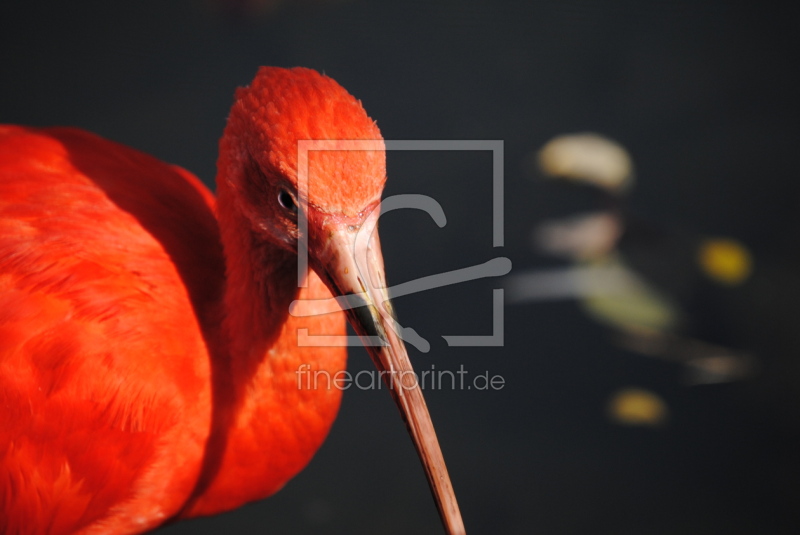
266	424
261	282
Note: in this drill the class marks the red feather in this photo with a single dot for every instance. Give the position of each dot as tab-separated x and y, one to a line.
111	280
148	360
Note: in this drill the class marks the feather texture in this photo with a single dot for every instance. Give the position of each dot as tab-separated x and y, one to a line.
145	375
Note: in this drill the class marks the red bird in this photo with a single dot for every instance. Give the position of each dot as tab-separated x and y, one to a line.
148	358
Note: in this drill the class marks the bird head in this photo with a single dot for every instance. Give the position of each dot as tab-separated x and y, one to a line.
305	166
290	137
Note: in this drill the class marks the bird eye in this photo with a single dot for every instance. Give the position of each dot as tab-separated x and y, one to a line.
287	201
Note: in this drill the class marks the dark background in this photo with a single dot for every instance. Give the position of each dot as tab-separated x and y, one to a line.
703	95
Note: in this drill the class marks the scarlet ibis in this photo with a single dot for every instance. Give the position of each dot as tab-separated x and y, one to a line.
148	357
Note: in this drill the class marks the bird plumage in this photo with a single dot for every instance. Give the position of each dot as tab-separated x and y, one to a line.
144	374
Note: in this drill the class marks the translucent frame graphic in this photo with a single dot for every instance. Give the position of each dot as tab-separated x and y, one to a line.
495	267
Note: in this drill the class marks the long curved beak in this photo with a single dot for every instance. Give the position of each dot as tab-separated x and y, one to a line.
347	256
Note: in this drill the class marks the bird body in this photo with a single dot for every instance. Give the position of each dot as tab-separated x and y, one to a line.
148	359
112	314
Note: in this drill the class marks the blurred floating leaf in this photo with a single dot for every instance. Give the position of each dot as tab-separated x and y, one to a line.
704	363
636	406
635	306
646	318
589	158
725	260
582	237
608	290
719	368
